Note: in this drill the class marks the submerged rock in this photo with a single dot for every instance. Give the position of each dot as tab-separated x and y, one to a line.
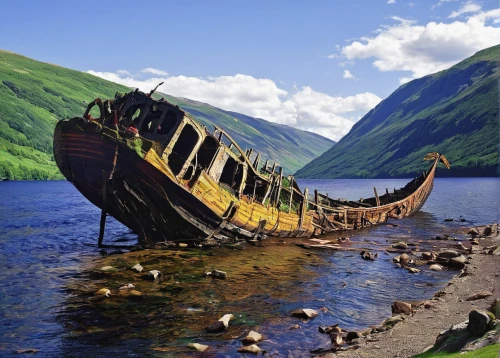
199	347
252	338
436	267
400	245
429	256
217	274
413	270
304	313
250	349
104	292
365	255
220	325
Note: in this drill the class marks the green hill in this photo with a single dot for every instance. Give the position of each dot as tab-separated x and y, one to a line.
454	112
34	95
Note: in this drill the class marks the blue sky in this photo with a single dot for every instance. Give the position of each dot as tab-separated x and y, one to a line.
317	65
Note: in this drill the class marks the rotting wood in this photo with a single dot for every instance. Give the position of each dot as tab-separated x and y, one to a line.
167	192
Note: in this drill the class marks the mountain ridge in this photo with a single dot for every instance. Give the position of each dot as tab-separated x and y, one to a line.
454	112
34	95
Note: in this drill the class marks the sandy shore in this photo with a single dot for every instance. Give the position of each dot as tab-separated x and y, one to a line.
419	331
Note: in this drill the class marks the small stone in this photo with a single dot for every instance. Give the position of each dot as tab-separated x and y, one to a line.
479	295
27	351
199	347
352	335
182	244
135	293
428	305
154	274
428	256
448	220
404	260
391	321
400	245
108	269
295	326
365	255
458	262
473	232
304	313
104	291
487	231
226	318
128	286
436	267
399	307
250	349
355	341
251	338
448	253
480	322
137	268
336	339
495	308
217	274
215	327
413	270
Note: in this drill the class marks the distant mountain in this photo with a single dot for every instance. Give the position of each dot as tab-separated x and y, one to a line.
454	112
34	95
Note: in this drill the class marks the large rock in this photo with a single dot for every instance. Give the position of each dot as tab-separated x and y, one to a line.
457	262
352	335
479	295
429	256
495	308
487	231
199	347
480	322
399	307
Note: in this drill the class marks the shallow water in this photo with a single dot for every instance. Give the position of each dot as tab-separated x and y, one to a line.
48	260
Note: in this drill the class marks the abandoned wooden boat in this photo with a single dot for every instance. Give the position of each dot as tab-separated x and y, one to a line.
151	166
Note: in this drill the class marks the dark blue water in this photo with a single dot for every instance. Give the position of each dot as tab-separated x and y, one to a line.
48	235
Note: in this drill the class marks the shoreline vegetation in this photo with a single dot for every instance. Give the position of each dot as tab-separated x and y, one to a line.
149	293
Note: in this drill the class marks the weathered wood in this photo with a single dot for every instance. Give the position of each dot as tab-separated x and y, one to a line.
291	194
303	208
102	223
278	189
376	196
256	161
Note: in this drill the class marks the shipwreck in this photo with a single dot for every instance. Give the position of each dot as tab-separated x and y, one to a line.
151	166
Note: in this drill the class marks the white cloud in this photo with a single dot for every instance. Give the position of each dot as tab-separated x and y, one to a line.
441	2
403	80
348	75
391	1
123	73
468	7
422	50
154	71
330	116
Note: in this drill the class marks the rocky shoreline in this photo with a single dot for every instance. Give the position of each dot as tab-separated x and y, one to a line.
450	315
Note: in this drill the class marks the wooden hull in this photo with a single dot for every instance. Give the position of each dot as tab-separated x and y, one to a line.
142	182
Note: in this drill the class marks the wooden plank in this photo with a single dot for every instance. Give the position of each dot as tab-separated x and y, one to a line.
376	196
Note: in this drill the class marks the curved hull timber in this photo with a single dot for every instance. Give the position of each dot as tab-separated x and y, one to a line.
183	183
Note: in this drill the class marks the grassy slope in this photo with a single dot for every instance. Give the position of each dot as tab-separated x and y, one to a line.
454	112
34	95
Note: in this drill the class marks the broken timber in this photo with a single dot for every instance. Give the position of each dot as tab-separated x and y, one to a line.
176	181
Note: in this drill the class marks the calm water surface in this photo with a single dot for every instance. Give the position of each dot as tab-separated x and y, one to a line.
48	240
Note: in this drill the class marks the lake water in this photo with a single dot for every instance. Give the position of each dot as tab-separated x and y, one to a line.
48	241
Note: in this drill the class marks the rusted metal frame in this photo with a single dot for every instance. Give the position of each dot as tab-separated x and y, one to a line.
102	223
160	120
256	162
